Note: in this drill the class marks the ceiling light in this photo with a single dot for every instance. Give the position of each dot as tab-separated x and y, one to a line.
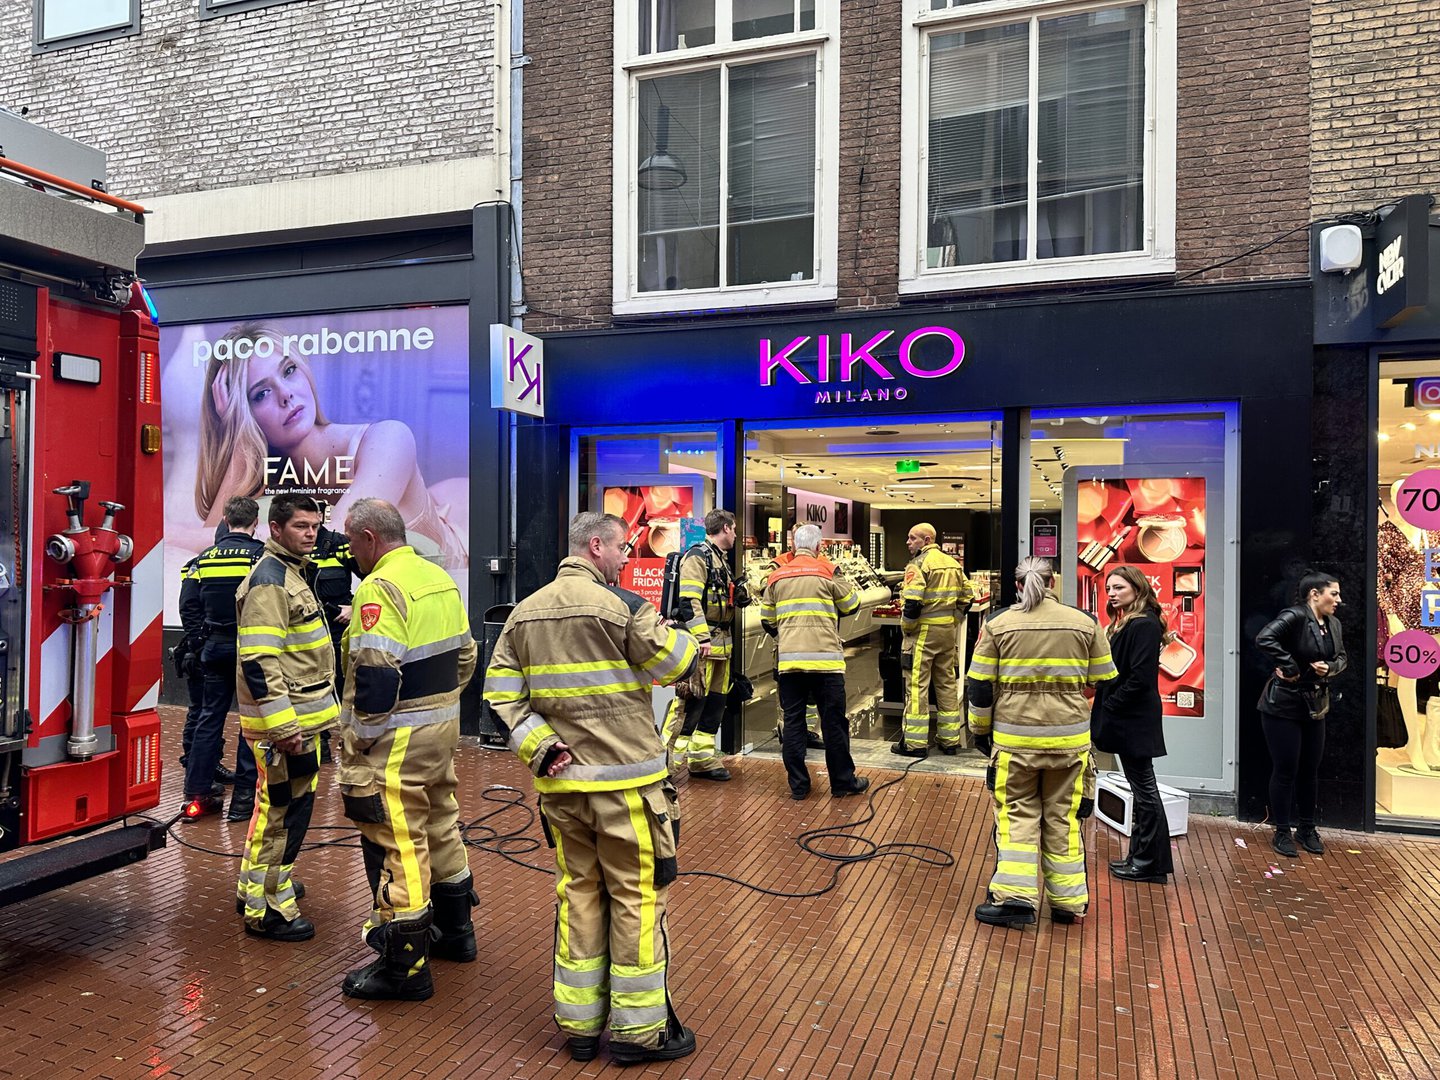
1383	437
1408	426
1434	417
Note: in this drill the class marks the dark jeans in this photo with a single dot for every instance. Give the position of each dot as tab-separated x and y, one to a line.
207	737
828	689
1149	832
1295	749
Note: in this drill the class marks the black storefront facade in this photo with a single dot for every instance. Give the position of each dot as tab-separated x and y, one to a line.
1242	354
341	283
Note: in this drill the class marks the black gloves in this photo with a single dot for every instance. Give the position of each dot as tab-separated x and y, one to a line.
985	743
1087	807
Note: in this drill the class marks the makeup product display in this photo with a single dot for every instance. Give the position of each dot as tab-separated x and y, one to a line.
1096	555
1162	537
1187	580
1176	658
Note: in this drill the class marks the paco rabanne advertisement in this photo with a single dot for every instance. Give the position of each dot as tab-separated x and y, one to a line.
339	406
1156	525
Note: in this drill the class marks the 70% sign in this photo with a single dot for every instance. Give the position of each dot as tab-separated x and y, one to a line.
1413	654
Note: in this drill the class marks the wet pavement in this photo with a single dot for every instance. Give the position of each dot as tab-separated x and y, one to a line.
1329	969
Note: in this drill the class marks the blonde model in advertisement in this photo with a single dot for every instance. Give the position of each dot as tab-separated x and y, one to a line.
267	407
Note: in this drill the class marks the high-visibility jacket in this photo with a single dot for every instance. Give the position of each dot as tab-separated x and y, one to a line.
286	683
1027	679
935	585
802	605
574	664
335	570
707	597
221	568
408	649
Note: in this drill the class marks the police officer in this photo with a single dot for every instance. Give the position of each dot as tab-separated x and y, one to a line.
408	656
936	594
1028	712
334	572
802	607
706	610
570	680
220	569
185	657
287	697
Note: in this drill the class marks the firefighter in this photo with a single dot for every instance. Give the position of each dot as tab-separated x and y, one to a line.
813	741
570	680
936	594
287	697
334	573
220	569
801	608
1028	711
408	657
707	609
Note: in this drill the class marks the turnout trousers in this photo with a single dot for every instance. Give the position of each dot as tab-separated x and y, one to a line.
934	665
284	800
400	792
703	716
1037	831
614	862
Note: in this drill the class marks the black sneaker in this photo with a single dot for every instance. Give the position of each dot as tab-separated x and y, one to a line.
200	806
673	1044
800	794
1284	843
1309	839
224	775
861	784
1012	913
720	774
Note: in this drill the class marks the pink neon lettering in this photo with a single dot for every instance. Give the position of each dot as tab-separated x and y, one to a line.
769	361
957	357
849	356
532	382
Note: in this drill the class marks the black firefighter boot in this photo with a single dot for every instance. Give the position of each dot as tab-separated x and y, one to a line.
403	971
452	902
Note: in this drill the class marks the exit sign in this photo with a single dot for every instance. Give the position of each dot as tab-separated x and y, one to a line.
905	465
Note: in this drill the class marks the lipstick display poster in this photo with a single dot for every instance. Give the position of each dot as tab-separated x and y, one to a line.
659	513
338	406
1156	525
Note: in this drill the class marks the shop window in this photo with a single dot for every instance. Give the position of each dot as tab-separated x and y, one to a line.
722	185
61	24
213	9
1042	146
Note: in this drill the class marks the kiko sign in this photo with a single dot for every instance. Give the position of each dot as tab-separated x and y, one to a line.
839	366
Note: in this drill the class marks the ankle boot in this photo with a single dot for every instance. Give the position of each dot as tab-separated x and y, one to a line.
1284	843
403	971
453	901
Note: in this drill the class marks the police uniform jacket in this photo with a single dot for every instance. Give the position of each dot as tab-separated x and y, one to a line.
1027	679
935	586
287	663
192	607
574	664
408	649
334	572
707	597
221	568
801	606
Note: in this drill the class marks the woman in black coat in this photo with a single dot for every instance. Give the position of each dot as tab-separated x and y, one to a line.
1305	647
1126	719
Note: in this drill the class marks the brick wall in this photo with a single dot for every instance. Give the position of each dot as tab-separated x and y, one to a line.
1375	68
304	89
1241	175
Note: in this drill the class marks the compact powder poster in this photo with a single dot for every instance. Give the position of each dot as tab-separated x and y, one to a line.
337	406
1156	525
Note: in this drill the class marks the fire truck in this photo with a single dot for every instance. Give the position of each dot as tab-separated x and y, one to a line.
81	557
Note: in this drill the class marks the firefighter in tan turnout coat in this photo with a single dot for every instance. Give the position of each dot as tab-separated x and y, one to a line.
570	680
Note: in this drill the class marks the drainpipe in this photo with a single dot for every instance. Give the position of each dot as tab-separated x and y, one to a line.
518	62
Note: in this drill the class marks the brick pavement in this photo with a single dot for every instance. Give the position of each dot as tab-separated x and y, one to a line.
1329	970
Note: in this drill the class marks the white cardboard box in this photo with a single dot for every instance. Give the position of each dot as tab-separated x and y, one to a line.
1115	806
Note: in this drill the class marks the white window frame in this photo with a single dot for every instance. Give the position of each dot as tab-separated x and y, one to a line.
631	66
128	27
1158	233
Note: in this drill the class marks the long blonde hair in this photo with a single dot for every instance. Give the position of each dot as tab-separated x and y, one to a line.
1145	600
1033	577
232	447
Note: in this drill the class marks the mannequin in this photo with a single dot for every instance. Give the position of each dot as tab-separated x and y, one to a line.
1401	566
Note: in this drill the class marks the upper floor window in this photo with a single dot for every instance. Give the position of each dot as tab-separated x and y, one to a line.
1042	142
60	24
724	159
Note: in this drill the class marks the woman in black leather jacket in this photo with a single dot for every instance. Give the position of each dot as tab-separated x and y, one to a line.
1305	645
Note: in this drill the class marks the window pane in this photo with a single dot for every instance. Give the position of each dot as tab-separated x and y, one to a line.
761	18
678	182
66	18
807	14
1092	136
772	171
979	129
676	24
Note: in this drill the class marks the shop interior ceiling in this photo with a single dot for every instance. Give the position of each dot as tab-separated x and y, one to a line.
1409	438
959	463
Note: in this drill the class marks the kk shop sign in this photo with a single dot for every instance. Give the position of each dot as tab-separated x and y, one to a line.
837	364
517	371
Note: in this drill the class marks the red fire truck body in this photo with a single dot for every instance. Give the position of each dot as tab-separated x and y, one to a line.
81	552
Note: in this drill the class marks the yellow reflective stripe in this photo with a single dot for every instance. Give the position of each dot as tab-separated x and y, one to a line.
812	665
258	650
306	646
559	784
1032	742
560	669
562	895
533	741
273	631
583	691
399	826
645	849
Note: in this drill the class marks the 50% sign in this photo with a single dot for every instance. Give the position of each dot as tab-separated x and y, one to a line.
1413	654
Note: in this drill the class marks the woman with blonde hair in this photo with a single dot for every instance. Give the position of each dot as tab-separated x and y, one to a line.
262	426
1126	718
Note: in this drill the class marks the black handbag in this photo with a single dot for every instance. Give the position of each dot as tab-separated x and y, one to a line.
1390	729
